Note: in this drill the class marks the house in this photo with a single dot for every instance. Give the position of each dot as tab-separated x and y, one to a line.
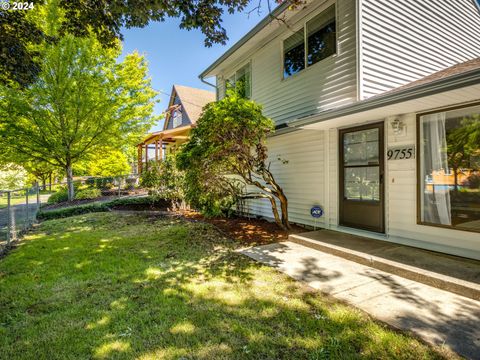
372	100
184	108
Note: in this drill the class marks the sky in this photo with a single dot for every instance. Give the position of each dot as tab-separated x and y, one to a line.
178	56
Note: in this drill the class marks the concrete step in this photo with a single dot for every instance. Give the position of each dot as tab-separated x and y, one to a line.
457	275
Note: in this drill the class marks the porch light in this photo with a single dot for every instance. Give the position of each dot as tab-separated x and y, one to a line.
398	126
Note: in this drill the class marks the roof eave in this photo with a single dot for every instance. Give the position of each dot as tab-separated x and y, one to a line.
453	82
261	25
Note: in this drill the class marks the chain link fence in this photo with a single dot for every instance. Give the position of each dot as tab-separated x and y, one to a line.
18	208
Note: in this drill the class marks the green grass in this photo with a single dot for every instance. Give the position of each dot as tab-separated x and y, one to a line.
14	200
106	285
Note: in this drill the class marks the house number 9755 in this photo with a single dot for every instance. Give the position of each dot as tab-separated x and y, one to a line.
401	152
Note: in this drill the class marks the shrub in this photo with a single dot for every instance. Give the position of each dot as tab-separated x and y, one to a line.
60	196
71	211
165	180
130	183
90	182
473	181
91	193
144	202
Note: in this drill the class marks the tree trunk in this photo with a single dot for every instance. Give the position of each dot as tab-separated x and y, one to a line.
284	207
275	212
455	177
70	189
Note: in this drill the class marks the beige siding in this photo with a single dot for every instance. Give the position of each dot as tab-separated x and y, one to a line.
325	85
404	40
302	178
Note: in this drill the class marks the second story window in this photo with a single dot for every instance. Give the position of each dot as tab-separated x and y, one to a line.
241	81
294	54
313	43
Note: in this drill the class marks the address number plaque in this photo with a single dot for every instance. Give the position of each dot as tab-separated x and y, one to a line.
405	152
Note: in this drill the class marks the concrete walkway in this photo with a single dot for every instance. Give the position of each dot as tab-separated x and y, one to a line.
437	316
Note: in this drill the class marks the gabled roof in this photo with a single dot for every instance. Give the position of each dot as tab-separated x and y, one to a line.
192	99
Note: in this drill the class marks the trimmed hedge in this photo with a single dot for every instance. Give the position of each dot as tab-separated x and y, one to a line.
72	211
134	203
88	194
58	197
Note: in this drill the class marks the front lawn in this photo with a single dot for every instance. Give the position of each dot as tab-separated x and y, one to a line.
106	285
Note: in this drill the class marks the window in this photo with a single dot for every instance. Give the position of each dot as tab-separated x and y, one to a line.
241	82
361	165
321	37
176	118
449	174
294	54
321	43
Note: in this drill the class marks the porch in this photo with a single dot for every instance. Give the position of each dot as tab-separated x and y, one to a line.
433	295
158	144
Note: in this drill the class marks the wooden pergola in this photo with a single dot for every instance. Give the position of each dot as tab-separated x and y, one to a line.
160	141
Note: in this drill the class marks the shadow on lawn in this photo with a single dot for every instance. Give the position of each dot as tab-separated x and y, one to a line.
176	290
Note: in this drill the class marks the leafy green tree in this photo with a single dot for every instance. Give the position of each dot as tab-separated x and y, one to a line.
19	30
81	101
41	171
227	151
12	177
109	162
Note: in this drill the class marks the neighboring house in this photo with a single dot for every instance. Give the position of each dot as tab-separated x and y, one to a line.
184	109
367	96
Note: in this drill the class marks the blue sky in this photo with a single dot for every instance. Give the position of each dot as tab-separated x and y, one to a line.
178	56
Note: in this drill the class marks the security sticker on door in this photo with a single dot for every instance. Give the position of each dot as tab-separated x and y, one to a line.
404	152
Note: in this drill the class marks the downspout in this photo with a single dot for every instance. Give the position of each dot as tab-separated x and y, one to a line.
206	82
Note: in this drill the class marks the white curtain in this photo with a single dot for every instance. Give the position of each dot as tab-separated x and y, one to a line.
436	204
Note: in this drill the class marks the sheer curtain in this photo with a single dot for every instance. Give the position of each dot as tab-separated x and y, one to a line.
436	199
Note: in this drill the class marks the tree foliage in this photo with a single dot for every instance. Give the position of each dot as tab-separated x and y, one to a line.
12	177
165	180
105	162
226	152
21	31
81	101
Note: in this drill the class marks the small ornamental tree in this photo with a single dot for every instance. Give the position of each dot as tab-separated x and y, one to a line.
227	151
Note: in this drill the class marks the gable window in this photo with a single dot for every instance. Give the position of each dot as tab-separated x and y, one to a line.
176	118
241	81
449	174
320	36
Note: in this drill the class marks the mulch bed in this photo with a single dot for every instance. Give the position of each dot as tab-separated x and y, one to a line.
248	231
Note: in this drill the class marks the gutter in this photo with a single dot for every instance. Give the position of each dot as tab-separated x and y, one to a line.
206	82
262	24
453	82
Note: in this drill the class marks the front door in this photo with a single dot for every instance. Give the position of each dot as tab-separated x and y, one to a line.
361	177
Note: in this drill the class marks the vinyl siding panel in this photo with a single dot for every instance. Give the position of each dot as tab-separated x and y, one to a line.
302	178
405	40
327	84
